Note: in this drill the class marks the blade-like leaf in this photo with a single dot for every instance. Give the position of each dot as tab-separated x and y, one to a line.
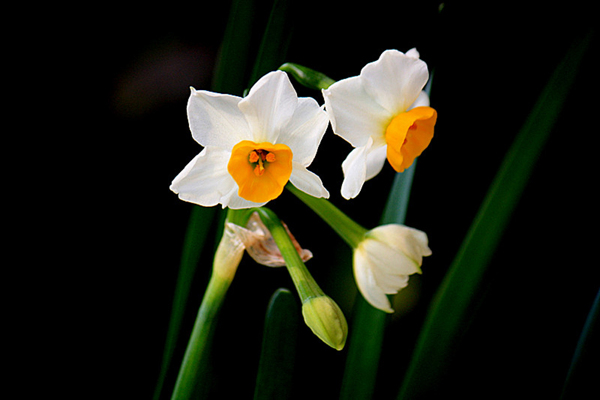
275	41
580	381
451	305
201	220
276	367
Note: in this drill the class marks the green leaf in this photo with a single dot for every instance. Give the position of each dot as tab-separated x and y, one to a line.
201	220
456	296
276	39
581	382
308	77
234	56
276	367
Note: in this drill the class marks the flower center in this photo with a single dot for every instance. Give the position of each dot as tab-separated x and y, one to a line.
408	134
260	170
259	157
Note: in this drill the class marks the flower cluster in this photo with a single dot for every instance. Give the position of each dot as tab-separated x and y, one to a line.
254	146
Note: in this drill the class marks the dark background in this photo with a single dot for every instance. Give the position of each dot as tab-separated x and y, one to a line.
115	81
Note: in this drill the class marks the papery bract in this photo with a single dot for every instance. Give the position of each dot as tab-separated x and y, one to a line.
259	243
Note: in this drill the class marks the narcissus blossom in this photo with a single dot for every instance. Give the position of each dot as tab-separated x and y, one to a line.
383	113
252	146
385	258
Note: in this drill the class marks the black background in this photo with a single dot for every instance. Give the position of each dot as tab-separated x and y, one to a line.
107	97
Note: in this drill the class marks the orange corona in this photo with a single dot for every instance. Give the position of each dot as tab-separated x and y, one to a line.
261	170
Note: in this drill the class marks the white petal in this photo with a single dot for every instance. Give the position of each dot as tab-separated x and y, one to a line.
215	119
205	179
269	106
409	241
367	284
305	130
413	53
355	171
395	80
232	200
362	164
390	259
307	181
354	115
376	157
422	101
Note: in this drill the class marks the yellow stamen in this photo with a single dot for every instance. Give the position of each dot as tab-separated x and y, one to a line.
261	170
408	135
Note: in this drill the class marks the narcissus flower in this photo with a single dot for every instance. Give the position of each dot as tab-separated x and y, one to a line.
385	258
252	146
383	113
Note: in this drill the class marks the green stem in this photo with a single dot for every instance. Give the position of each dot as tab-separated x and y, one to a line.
350	231
321	314
304	282
194	361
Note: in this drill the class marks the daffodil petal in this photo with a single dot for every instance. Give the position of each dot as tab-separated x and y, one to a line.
390	259
421	101
355	172
404	239
395	80
375	160
307	181
362	164
305	130
215	119
205	180
232	200
269	106
354	115
413	53
367	284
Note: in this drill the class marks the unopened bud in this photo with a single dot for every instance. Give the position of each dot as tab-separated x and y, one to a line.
325	318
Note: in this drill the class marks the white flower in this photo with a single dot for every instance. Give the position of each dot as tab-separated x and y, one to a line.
383	112
384	260
252	146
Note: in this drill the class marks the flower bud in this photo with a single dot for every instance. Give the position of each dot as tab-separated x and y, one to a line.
325	318
385	258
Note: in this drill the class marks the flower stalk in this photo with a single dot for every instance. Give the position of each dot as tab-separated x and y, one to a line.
225	263
344	226
322	315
